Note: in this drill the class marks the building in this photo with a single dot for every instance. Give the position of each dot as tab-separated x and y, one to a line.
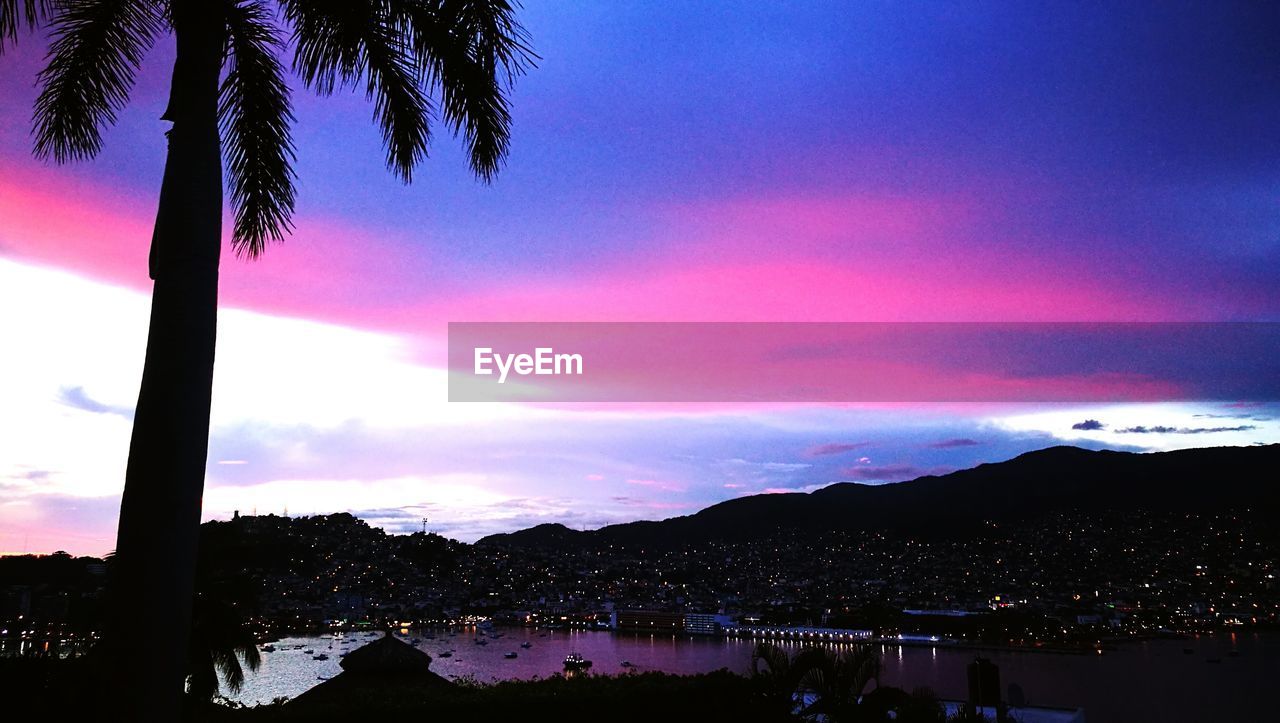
660	622
706	623
648	621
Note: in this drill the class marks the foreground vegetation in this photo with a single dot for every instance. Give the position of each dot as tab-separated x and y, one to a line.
60	690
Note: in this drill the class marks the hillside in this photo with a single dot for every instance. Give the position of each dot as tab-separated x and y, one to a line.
1028	486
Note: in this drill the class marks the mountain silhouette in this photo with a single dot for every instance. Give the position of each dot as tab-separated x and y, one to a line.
1029	486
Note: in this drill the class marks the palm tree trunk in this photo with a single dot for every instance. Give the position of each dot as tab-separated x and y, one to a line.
153	574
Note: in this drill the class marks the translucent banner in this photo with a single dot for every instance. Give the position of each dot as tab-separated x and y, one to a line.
863	362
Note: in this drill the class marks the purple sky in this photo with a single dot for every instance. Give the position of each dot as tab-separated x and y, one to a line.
726	162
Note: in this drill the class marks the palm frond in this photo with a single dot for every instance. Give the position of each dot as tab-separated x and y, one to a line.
15	14
472	52
255	117
202	675
96	49
221	647
340	44
770	660
229	666
400	105
328	41
248	652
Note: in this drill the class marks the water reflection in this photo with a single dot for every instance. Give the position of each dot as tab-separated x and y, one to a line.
1152	680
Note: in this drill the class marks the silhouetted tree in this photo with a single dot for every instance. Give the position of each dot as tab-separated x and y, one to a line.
220	640
831	683
229	98
888	703
771	671
818	683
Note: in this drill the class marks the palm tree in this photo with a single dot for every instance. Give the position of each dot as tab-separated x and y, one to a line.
220	640
772	672
229	99
831	683
817	683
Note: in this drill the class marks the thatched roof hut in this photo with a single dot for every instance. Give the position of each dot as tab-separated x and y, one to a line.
373	671
386	656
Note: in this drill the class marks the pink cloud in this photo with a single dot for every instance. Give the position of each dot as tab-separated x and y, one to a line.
955	442
833	258
334	272
892	472
735	266
326	270
816	222
790	289
635	502
658	485
823	450
64	222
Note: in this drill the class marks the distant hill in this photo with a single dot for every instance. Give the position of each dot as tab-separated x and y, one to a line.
1028	486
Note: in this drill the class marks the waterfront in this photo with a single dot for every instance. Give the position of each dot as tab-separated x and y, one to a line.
1147	680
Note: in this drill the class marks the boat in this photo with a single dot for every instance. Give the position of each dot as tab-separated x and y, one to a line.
574	661
308	652
445	654
321	656
268	648
526	645
509	655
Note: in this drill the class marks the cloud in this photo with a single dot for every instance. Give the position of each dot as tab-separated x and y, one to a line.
741	463
1250	417
806	489
78	398
658	485
955	442
1089	425
639	502
48	522
892	472
824	450
1160	429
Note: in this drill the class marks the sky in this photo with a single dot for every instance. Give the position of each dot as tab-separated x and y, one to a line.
670	162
